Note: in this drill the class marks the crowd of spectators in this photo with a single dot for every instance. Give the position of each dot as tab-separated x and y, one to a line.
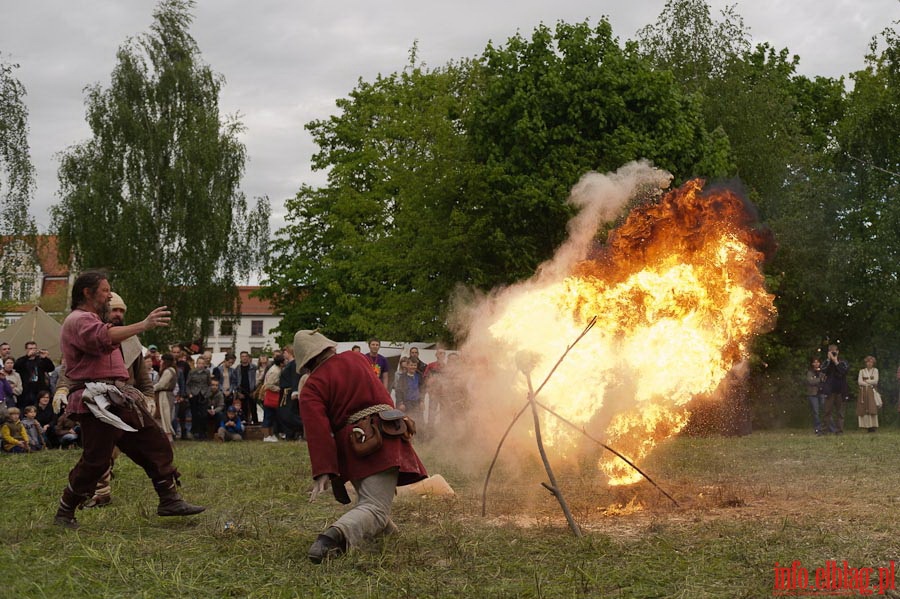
195	399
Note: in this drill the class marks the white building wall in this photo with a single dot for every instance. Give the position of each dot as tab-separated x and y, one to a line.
243	340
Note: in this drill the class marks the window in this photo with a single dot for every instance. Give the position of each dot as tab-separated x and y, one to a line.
256	328
226	328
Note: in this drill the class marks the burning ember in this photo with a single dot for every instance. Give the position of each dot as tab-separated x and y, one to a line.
678	294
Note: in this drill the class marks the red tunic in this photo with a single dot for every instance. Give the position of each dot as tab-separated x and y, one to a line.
89	353
341	386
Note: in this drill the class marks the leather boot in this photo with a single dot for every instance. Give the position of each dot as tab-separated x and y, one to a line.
330	544
68	503
171	502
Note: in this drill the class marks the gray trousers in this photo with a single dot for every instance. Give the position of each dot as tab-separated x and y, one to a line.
371	515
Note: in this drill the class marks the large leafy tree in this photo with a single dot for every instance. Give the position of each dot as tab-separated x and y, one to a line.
781	129
552	107
868	221
154	195
16	170
460	175
17	183
379	249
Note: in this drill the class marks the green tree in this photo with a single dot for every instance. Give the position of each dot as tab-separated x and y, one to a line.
379	249
154	195
869	220
552	107
17	183
16	171
459	176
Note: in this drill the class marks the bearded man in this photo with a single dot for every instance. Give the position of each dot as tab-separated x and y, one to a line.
110	411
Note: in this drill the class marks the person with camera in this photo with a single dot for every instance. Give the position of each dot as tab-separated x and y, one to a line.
835	389
34	368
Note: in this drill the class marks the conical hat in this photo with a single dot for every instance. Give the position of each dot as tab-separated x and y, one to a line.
308	345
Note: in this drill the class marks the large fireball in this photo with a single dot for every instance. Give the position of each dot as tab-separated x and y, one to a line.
678	295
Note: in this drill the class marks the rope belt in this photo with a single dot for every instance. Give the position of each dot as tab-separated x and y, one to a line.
382	407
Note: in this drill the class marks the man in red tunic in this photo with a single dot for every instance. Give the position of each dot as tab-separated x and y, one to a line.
340	387
93	355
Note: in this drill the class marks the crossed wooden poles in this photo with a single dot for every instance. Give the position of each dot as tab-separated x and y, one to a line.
532	402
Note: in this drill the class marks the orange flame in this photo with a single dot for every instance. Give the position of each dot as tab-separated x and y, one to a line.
678	294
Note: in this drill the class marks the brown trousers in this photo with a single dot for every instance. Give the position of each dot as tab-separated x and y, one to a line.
149	448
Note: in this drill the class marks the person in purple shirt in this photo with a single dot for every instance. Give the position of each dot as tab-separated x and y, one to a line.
92	352
378	362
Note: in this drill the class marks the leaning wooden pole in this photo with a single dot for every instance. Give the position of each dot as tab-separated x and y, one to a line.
518	415
532	400
553	487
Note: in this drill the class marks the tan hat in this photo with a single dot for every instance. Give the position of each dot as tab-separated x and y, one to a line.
116	301
308	345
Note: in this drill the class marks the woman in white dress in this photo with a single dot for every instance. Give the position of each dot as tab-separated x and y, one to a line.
866	406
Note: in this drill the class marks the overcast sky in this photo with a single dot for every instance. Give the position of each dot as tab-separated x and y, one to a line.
286	61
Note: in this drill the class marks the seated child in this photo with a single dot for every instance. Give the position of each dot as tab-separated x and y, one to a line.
216	410
67	432
34	429
232	428
13	434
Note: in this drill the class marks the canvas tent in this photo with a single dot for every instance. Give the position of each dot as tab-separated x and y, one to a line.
35	325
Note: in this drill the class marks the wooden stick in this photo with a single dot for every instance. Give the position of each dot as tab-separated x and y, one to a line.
533	397
605	446
518	415
554	487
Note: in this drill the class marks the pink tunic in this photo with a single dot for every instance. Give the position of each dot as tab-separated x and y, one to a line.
89	353
341	386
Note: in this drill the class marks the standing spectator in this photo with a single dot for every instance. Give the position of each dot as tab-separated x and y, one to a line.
814	379
226	374
434	384
34	430
154	375
54	376
409	390
7	399
835	389
246	377
414	356
5	351
182	405
197	391
13	434
165	394
251	415
271	398
290	424
358	350
866	405
14	379
378	362
340	391
35	370
155	357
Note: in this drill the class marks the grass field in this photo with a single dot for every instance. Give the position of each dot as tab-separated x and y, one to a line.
745	503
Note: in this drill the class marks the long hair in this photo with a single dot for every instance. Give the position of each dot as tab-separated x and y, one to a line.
168	360
89	279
